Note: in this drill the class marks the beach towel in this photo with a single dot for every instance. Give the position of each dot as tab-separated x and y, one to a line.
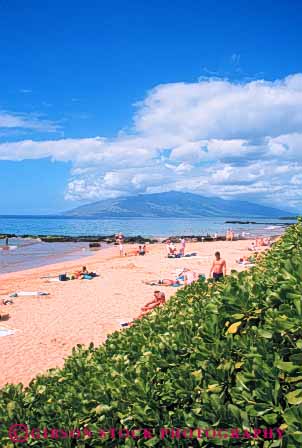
6	332
47	276
29	293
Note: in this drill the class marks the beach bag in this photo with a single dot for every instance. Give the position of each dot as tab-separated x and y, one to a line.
62	277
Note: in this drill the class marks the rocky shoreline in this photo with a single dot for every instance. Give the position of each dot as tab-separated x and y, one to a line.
281	224
110	239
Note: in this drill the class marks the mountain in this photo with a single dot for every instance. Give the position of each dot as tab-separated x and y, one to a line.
173	204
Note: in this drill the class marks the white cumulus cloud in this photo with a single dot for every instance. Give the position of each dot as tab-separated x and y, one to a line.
26	121
213	137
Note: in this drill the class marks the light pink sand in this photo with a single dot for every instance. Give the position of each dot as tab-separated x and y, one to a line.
84	311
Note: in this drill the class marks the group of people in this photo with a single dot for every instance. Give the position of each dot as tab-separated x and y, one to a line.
172	251
119	240
141	250
259	243
185	277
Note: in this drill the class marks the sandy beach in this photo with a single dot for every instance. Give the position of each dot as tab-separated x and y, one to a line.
84	311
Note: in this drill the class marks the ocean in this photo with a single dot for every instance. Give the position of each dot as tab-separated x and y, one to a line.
30	253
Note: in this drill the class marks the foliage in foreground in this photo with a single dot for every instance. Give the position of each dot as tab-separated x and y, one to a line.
224	355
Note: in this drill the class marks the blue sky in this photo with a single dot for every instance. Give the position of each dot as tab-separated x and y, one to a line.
100	99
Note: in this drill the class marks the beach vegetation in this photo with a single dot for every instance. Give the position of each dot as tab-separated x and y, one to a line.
217	355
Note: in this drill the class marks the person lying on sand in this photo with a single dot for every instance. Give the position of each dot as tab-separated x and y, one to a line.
185	277
165	282
246	260
218	267
131	253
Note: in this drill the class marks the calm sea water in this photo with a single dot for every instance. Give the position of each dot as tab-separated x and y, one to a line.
135	226
31	253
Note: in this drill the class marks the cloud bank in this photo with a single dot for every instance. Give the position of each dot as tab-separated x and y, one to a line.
212	137
22	121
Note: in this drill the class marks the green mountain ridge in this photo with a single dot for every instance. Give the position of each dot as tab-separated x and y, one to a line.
173	205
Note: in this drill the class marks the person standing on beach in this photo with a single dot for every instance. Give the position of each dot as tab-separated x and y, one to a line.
119	239
182	247
218	268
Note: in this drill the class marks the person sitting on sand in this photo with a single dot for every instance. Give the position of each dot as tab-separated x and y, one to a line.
141	250
80	274
252	247
159	300
171	249
188	276
218	267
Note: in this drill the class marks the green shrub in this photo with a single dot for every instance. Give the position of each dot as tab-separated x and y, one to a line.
224	355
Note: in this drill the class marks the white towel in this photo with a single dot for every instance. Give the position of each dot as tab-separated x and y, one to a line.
30	293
